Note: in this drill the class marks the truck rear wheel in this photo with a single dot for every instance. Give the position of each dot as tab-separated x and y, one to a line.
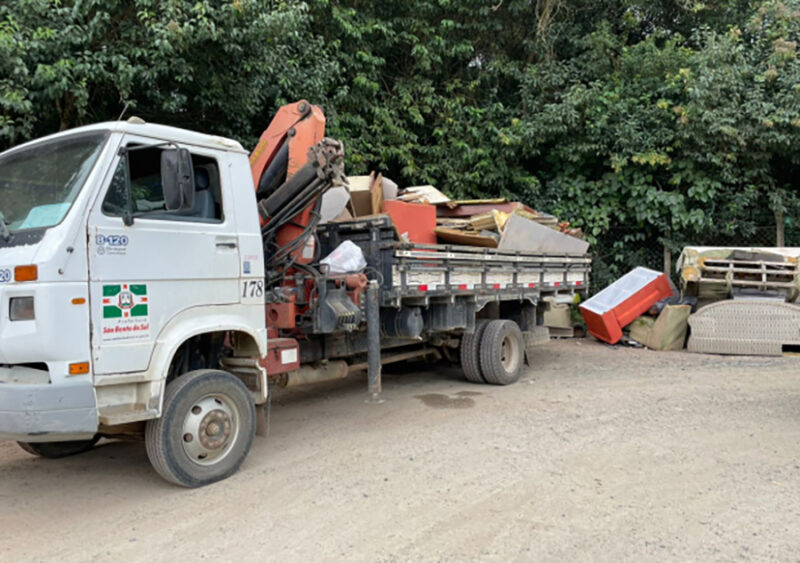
470	352
56	450
502	352
205	431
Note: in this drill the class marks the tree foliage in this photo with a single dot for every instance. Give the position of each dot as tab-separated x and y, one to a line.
679	120
203	65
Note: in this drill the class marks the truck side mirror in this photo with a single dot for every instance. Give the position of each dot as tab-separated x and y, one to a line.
177	179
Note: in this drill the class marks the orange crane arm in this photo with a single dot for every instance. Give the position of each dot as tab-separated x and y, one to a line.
281	151
297	127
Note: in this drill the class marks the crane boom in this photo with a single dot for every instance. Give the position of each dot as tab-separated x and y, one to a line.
283	147
281	152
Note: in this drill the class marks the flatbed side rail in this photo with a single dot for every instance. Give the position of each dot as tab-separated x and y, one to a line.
443	270
421	272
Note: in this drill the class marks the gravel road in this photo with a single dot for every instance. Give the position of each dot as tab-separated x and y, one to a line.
597	454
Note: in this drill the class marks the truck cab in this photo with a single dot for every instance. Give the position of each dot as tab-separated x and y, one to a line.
129	252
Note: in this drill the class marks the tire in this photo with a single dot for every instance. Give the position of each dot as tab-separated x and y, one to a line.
502	352
470	352
205	431
56	450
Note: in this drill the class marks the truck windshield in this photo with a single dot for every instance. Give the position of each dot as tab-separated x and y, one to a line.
39	183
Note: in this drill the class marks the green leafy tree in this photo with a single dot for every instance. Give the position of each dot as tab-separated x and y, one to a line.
645	123
212	66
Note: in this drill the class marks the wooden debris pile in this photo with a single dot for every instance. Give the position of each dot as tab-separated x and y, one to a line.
423	214
483	222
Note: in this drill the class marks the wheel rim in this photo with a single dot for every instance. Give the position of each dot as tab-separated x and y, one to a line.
509	354
210	429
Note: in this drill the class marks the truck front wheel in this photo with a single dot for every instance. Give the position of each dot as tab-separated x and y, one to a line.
55	450
205	431
502	352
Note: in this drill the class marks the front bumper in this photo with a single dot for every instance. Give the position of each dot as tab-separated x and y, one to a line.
45	412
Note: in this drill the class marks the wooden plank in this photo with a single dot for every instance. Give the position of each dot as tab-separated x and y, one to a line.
376	193
464	237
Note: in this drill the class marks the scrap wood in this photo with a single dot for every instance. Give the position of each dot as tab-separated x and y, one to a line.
538	216
566	228
484	221
467	238
427	193
493	220
490	234
412	198
452	204
376	192
453	222
481	222
470	209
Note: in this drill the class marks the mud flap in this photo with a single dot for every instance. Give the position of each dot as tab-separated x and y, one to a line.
533	338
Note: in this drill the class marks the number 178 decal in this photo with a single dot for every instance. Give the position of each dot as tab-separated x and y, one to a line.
252	288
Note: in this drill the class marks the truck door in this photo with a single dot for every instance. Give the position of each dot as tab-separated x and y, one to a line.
143	275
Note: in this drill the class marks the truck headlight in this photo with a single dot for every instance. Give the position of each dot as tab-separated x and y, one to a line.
21	309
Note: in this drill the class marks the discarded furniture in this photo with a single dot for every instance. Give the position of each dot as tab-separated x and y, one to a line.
667	331
745	327
714	273
557	317
622	302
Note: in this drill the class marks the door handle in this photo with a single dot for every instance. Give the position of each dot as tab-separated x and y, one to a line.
226	244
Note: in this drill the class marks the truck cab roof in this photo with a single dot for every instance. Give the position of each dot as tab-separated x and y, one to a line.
136	126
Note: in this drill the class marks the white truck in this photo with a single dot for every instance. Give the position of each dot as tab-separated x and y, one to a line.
133	294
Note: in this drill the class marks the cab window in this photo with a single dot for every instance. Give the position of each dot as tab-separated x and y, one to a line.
148	196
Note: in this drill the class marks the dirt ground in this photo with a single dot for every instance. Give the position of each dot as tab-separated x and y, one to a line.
597	454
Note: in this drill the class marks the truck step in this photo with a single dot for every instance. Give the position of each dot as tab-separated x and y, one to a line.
122	414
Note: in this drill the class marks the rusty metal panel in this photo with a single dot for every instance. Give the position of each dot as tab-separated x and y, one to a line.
283	355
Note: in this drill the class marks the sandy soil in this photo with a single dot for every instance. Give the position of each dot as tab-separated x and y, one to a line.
597	454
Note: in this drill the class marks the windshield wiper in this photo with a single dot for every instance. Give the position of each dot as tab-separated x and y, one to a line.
4	232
